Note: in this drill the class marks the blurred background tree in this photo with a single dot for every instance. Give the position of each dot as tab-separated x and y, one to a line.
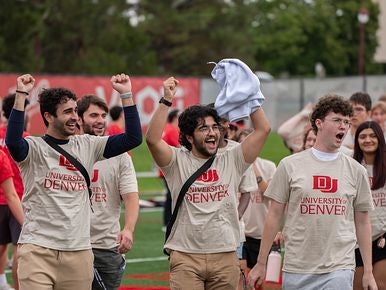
146	37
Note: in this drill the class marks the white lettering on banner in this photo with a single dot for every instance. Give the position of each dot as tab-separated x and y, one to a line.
147	91
149	94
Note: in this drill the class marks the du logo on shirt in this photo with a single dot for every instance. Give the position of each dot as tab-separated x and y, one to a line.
325	183
65	163
209	176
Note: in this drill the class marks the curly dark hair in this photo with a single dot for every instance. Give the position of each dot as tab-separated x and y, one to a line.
49	99
191	118
7	105
379	169
115	112
327	104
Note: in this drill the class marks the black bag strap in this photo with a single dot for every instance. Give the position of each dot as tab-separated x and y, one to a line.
182	193
73	161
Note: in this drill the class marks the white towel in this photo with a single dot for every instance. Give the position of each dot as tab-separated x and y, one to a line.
240	93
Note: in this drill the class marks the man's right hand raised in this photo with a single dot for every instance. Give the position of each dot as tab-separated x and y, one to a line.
25	83
170	88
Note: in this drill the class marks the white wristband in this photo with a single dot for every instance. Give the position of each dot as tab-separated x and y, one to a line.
127	95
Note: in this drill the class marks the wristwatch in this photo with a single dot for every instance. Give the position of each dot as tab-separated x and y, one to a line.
165	102
259	179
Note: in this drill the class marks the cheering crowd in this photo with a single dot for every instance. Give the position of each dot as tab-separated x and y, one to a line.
61	193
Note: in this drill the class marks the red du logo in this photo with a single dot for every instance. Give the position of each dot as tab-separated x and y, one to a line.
209	176
65	163
325	184
95	175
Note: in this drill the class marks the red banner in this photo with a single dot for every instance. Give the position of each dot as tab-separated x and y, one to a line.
146	92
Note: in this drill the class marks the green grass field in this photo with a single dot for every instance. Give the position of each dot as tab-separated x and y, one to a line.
146	264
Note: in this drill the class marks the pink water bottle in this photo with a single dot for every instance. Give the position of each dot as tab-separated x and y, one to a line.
274	265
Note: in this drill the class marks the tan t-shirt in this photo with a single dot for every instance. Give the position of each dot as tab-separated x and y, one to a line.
207	220
248	181
56	202
322	196
112	178
378	215
247	184
254	216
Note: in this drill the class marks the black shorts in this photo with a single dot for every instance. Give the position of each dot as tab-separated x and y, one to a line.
251	250
9	227
378	254
110	266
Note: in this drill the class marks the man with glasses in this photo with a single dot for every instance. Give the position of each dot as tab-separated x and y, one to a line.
361	104
328	197
202	244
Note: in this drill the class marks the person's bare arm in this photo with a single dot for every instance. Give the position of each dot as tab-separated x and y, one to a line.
13	200
245	197
126	236
253	143
271	227
363	232
159	149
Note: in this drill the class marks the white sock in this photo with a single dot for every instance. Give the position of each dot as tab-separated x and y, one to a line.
3	279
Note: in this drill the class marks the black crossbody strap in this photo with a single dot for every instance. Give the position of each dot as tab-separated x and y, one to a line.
182	193
73	161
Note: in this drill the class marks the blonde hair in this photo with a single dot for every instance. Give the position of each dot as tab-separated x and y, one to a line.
379	105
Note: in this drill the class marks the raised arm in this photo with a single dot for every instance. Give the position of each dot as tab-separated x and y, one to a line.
159	149
120	143
17	146
254	142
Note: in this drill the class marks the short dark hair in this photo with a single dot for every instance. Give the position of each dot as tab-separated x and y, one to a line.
7	104
115	112
363	99
327	104
379	169
191	118
85	102
49	100
173	114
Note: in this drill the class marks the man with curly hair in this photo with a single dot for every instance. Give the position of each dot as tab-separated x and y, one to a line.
202	244
328	197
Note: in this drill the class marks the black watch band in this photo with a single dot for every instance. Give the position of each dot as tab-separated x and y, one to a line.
165	102
259	179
